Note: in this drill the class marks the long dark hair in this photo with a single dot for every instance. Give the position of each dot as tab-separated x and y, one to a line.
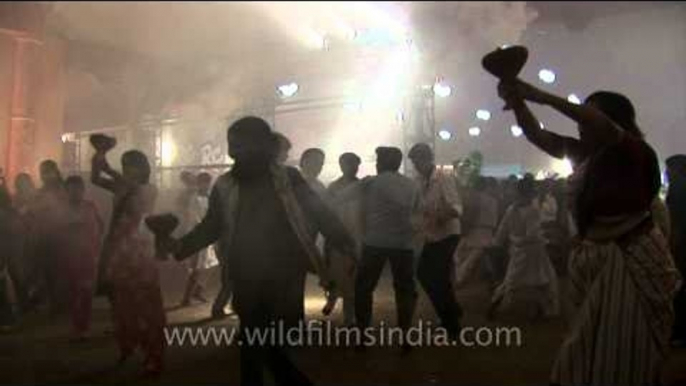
24	181
618	108
52	165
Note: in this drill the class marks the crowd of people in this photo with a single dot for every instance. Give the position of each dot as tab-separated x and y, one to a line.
269	225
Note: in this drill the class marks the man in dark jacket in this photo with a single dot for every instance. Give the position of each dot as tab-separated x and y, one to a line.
264	215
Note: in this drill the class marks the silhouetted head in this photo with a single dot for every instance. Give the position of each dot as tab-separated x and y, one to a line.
23	184
422	157
526	188
545	187
50	174
76	189
253	147
312	162
618	108
349	164
388	159
250	139
135	166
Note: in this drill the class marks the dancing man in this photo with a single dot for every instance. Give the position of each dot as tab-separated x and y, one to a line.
530	283
343	275
441	211
256	199
390	206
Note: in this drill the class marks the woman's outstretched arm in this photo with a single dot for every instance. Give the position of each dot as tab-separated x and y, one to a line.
555	145
592	122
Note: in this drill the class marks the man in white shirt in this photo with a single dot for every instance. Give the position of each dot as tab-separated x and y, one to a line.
349	213
389	203
441	209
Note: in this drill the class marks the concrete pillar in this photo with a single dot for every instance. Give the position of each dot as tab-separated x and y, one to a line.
31	89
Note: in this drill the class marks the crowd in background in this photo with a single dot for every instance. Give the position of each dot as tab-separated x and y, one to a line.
518	234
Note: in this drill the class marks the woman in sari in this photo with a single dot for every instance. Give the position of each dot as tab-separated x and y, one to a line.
130	270
622	275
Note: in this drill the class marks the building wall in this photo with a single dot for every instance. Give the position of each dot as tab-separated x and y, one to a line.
31	89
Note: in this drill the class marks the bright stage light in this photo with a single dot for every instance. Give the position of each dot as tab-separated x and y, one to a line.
547	76
68	137
562	167
484	115
445	135
572	98
474	131
442	90
516	131
288	90
168	154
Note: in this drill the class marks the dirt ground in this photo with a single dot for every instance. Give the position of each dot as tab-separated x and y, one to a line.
39	352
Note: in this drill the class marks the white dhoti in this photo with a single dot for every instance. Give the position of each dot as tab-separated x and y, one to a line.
469	254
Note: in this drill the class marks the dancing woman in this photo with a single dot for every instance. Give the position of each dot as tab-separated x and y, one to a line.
622	275
130	271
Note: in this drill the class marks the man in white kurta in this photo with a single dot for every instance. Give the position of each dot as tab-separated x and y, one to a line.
441	209
530	278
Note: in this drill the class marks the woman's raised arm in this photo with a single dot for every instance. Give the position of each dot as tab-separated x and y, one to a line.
99	166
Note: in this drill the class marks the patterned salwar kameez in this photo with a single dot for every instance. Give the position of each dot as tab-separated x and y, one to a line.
138	312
